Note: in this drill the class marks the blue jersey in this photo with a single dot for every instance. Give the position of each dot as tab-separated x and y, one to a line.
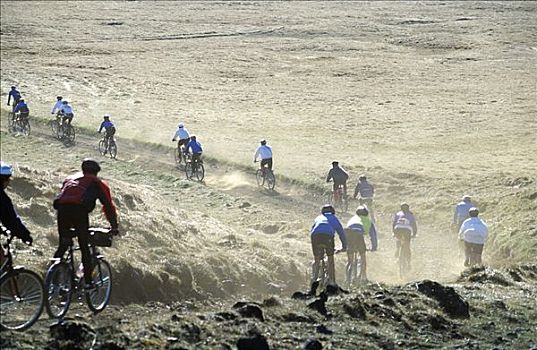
15	94
195	146
329	224
107	124
22	107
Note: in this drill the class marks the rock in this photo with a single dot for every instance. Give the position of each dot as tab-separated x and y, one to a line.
71	335
447	297
355	310
301	296
244	205
294	317
321	328
254	342
313	344
250	310
319	305
272	301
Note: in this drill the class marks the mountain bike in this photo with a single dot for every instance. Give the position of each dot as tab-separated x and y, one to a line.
194	167
323	279
180	154
63	281
338	199
19	123
108	145
22	295
265	177
62	131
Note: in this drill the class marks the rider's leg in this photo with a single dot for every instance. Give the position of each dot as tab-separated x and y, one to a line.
350	265
397	246
65	222
331	270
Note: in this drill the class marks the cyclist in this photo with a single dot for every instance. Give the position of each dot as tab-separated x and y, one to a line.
8	216
322	241
66	111
196	148
404	227
16	95
265	153
366	191
22	108
473	233
109	130
462	212
340	177
57	106
357	227
74	203
182	134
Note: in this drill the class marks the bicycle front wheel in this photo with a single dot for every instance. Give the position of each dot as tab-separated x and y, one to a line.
188	170
102	147
178	156
259	177
25	127
112	149
200	171
59	289
98	297
69	133
21	299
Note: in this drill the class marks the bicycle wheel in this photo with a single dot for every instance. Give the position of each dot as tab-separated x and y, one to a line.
188	170
98	297
68	133
404	260
59	289
270	180
25	127
55	128
259	177
200	171
102	147
178	156
21	299
10	121
112	149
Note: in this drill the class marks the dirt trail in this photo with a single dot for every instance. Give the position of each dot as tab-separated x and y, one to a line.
434	254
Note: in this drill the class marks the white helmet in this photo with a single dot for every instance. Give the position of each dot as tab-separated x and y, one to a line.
6	169
180	125
107	116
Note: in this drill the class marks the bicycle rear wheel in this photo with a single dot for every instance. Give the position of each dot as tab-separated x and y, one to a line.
21	299
59	289
99	297
404	260
112	149
270	180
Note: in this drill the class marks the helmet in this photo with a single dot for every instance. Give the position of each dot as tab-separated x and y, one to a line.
90	166
362	210
263	142
59	98
327	208
466	198
473	212
405	206
192	137
335	162
21	100
6	169
362	177
13	87
106	116
180	125
65	102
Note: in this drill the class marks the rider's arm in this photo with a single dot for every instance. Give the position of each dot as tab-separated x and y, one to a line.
105	197
11	220
8	98
256	154
373	236
101	127
329	176
336	224
414	225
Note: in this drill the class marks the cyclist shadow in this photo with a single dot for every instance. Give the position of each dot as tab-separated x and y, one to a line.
269	192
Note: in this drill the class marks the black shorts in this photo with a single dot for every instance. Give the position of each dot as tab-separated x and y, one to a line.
322	244
355	241
182	142
402	234
268	162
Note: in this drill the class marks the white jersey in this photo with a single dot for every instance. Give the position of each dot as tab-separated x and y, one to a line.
181	133
57	107
264	152
474	230
67	109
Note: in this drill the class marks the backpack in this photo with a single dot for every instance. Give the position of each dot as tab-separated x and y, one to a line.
73	190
